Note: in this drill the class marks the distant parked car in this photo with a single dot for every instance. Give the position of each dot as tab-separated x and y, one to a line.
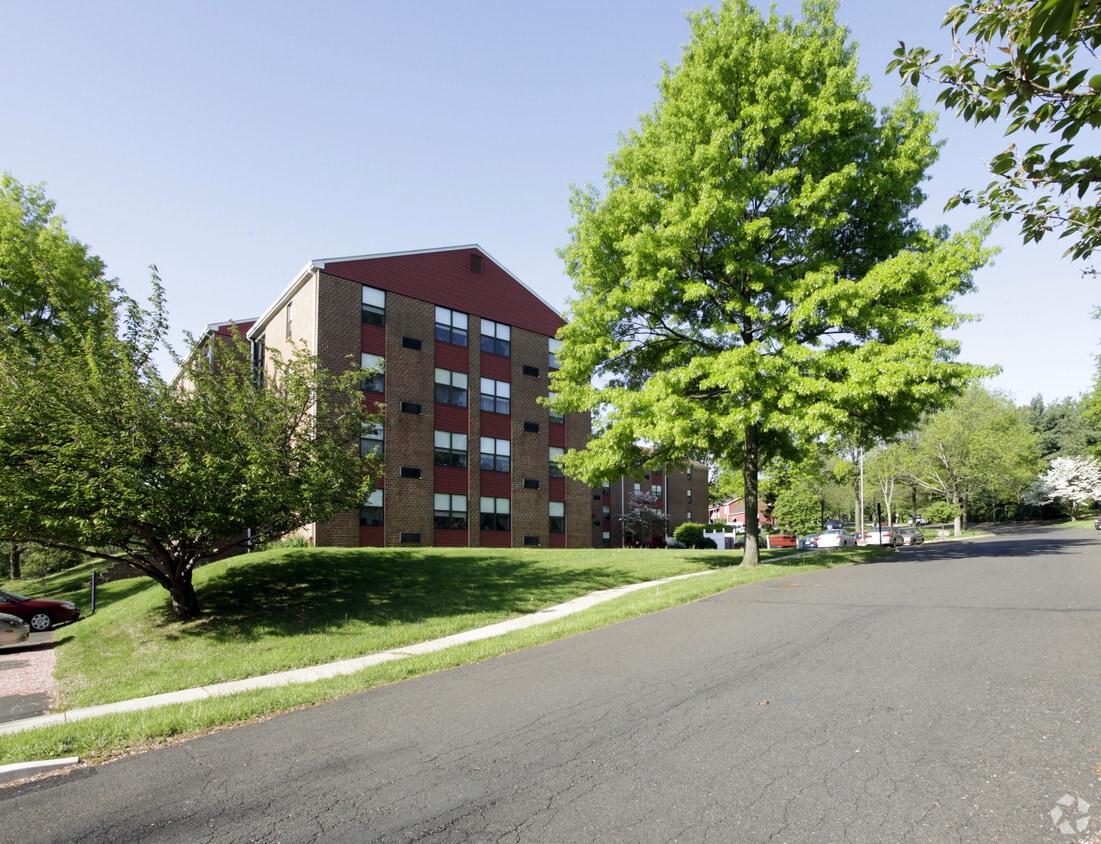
13	630
911	536
809	543
39	613
882	536
835	539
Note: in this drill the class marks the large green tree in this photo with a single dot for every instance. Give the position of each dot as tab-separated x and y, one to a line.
100	455
1033	65
979	447
752	277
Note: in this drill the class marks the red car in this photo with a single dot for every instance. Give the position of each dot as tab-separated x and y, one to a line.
39	613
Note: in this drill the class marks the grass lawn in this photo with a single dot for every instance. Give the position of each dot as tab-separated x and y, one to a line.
291	608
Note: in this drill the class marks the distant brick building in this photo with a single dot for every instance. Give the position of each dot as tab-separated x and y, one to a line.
680	493
461	350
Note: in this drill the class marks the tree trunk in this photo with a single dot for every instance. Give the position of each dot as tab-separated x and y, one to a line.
185	603
15	554
957	525
752	554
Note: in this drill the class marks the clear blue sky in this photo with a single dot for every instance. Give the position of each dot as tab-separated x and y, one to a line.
232	142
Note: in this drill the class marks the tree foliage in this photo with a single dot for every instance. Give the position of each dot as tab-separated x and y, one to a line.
798	509
1073	481
1034	65
1063	427
643	518
752	277
978	447
97	451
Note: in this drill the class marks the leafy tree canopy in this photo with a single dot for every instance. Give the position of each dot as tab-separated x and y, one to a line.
97	451
1033	63
752	277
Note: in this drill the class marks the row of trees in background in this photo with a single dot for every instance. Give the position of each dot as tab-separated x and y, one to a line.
982	459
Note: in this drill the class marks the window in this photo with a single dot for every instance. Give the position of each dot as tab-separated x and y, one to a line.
656	489
496	455
606	536
496	396
557	517
555	469
496	514
375	382
449	511
688	472
606	511
552	352
689	492
370	514
374	306
370	439
450	449
496	338
555	415
290	321
451	326
688	516
451	387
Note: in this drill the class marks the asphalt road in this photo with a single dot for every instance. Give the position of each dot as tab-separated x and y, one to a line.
950	694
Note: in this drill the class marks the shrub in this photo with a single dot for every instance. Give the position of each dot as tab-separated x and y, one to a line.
690	533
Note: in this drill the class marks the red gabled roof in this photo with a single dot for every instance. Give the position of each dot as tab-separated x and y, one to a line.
444	277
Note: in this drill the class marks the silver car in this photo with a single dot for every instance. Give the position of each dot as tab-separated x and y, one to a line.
13	629
835	539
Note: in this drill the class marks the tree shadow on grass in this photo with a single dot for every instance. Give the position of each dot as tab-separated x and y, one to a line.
306	590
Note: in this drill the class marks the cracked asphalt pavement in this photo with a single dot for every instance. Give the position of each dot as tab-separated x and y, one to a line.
950	693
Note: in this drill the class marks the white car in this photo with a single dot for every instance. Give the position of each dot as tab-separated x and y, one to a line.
836	538
882	536
13	629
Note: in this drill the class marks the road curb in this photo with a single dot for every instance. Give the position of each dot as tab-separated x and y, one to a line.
22	770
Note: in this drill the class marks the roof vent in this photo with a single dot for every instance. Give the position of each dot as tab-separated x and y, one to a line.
475	263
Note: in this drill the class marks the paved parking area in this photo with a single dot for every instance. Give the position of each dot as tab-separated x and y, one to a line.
26	678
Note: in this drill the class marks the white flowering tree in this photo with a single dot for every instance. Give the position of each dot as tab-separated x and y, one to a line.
1072	480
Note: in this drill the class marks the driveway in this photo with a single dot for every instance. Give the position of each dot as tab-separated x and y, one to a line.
27	686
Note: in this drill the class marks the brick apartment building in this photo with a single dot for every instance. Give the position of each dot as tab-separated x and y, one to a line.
681	494
462	350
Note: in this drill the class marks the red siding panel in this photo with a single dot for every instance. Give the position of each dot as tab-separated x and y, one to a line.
450	479
496	367
495	539
373	339
496	484
371	537
450	538
451	418
557	488
496	425
558	540
557	435
445	278
455	358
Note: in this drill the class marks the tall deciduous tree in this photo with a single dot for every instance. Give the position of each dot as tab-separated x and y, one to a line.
752	277
1033	64
44	272
97	451
980	446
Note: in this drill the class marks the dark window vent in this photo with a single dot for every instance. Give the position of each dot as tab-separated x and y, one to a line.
410	407
410	472
596	524
406	536
531	427
531	540
531	370
596	497
475	263
531	483
411	343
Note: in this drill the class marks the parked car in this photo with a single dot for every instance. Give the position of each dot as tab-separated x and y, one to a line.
882	536
809	543
911	536
918	520
13	630
39	613
835	539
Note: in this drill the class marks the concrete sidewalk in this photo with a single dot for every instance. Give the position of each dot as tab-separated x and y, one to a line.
307	675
